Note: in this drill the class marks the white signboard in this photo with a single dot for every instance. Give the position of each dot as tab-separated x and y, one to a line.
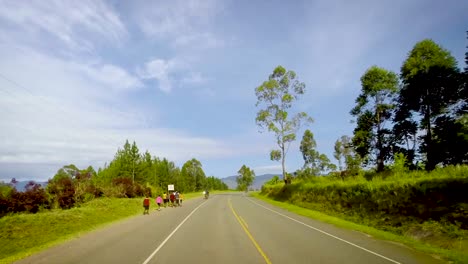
170	187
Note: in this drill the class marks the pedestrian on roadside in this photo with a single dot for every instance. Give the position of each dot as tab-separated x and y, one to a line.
181	197
172	197
159	201
165	199
177	199
146	205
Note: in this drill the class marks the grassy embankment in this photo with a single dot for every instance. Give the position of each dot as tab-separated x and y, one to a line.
24	234
427	211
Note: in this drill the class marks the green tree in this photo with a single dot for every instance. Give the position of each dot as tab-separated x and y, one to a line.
430	86
345	154
147	168
338	153
167	173
245	178
450	140
318	163
466	56
405	137
213	183
374	106
67	171
125	164
192	176
133	159
343	148
273	180
277	96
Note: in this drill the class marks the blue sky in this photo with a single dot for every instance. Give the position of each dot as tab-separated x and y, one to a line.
78	78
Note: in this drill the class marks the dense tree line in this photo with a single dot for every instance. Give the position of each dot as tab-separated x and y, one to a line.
156	173
130	174
415	120
421	115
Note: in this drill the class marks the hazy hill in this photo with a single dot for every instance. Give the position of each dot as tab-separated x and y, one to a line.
20	185
257	184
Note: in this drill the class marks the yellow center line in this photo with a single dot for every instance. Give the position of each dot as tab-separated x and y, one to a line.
248	233
243	221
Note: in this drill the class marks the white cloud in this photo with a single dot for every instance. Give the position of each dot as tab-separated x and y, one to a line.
160	70
77	24
52	75
61	113
170	73
184	23
111	76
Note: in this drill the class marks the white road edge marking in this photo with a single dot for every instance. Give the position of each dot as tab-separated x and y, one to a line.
328	234
170	235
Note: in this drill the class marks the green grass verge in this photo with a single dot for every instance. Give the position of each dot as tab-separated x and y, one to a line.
22	235
452	255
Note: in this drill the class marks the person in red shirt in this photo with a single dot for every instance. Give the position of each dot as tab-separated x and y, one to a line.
146	205
172	197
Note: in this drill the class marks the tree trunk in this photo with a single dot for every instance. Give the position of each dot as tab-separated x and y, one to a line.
430	165
285	177
380	156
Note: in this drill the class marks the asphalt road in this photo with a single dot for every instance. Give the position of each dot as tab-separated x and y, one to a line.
226	228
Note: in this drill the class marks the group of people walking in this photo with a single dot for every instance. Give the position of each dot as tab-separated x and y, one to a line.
174	199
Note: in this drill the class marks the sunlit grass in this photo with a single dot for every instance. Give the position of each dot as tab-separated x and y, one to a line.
22	235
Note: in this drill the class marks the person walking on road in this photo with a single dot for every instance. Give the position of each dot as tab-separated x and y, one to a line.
165	199
146	205
177	199
181	197
172	198
159	201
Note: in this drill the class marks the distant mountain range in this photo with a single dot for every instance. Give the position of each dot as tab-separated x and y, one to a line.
230	181
20	185
257	184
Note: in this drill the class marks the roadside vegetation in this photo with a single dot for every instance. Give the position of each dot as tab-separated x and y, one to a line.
129	175
404	170
455	256
430	207
23	234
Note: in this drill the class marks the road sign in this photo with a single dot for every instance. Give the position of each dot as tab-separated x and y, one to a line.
170	187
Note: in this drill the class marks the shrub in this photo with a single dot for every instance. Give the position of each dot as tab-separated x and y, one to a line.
399	164
439	196
130	189
31	200
116	191
62	191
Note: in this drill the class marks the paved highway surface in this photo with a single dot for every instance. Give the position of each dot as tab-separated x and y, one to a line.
226	228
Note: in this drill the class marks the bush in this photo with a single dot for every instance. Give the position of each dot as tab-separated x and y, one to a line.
62	191
31	200
130	189
399	164
127	186
116	191
85	191
439	196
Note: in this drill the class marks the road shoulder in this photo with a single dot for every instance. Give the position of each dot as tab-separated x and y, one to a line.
365	231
